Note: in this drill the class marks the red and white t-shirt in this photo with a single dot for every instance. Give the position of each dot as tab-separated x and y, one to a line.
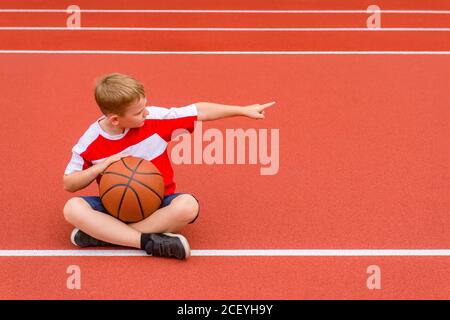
148	142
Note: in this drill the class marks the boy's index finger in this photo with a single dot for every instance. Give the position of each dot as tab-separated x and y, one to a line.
268	104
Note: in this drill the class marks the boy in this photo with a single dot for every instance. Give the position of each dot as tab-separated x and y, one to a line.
130	128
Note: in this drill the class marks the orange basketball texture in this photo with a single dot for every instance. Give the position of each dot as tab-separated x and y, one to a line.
131	189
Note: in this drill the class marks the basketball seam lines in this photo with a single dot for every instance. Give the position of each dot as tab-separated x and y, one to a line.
147	173
126	188
132	189
126	166
120	185
143	173
122	175
139	201
116	185
132	179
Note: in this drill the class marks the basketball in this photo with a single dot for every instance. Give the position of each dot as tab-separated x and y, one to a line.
131	189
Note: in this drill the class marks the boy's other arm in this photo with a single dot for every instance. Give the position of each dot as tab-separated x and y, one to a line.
81	179
207	111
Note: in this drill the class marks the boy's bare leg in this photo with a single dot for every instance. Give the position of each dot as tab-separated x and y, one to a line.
182	210
100	225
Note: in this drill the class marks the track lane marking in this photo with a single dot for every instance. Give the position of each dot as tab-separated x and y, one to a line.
125	52
236	253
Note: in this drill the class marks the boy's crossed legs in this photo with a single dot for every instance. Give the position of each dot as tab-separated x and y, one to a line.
153	234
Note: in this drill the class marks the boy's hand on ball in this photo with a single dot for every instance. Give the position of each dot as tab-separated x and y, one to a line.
106	163
256	111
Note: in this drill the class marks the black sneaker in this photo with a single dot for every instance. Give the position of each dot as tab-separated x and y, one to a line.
82	239
168	245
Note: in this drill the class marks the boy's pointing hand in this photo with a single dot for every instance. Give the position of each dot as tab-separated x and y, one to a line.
256	111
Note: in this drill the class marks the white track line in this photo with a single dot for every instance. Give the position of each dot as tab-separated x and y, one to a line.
118	52
226	29
224	11
237	253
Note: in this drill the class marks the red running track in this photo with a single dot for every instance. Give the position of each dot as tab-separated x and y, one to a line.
363	164
227	40
224	20
363	160
231	4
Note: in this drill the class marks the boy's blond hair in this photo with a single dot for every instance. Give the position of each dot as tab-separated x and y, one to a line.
115	92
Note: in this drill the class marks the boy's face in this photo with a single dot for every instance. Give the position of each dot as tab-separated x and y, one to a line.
134	116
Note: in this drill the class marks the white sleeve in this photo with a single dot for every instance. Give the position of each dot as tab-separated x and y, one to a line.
172	113
75	164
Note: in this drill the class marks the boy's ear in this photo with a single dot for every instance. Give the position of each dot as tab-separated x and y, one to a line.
113	119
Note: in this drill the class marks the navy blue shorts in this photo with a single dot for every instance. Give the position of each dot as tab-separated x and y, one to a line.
97	205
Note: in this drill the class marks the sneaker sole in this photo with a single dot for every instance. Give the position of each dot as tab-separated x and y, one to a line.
72	236
184	242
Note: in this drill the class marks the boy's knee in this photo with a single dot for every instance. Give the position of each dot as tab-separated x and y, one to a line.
72	208
187	206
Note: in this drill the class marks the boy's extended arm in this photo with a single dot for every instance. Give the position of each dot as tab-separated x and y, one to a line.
212	111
